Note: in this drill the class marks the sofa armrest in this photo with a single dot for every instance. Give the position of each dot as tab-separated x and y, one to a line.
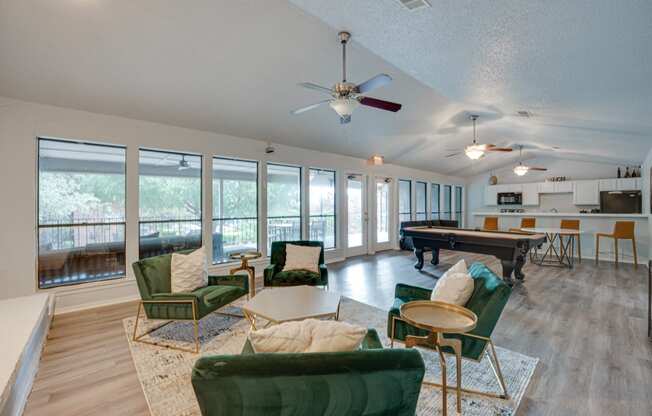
409	293
170	297
371	341
239	279
269	272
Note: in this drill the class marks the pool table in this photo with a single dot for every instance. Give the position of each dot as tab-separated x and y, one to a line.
510	248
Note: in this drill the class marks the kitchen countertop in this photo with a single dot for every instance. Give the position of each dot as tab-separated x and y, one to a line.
558	214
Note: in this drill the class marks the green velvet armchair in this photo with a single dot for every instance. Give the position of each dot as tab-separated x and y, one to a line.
370	381
490	295
153	276
275	276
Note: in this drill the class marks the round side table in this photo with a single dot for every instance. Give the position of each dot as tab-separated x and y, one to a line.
244	258
439	318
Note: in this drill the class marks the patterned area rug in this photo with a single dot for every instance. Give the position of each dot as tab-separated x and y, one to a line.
165	373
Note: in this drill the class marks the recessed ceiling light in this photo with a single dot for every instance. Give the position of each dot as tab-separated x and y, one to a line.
414	4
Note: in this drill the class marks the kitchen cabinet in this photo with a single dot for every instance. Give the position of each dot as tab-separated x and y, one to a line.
530	194
491	195
586	192
546	187
563	187
608	185
628	184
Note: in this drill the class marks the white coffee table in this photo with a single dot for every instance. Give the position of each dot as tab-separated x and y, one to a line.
294	303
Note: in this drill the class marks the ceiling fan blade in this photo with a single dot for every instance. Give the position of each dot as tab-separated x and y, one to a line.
378	81
315	87
380	104
453	154
499	149
309	107
535	168
345	120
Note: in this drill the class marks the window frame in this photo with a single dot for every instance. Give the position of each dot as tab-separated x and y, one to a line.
425	201
212	216
38	208
448	190
201	195
400	213
459	210
334	172
434	186
301	200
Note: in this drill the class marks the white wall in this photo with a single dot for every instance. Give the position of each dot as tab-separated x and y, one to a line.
20	124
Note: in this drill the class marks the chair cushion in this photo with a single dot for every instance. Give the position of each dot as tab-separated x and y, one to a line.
310	335
189	271
221	295
156	272
455	286
296	277
301	258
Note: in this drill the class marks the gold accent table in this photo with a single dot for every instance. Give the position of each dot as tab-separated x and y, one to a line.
244	258
439	318
293	303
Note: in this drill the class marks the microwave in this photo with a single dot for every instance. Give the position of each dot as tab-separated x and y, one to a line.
510	198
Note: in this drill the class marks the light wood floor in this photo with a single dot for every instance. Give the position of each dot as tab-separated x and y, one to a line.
587	326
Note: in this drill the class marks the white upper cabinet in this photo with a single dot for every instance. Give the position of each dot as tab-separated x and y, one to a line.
530	194
608	185
628	184
563	187
586	192
491	195
546	187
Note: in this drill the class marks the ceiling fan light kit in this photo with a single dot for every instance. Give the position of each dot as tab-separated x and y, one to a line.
521	170
376	160
474	152
347	96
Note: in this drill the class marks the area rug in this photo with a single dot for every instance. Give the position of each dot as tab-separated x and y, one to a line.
165	373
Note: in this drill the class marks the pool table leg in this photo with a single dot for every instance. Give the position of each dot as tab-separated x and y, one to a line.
435	257
508	268
419	253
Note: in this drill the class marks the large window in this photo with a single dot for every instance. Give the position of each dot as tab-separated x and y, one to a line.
459	213
81	212
235	207
434	201
322	206
404	200
283	203
170	202
421	200
446	213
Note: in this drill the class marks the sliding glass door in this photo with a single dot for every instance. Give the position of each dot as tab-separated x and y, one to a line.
356	209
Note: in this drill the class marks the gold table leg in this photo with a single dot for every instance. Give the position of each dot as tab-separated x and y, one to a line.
251	271
439	341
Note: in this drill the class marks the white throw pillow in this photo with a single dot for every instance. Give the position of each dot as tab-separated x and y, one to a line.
310	335
302	258
455	286
189	271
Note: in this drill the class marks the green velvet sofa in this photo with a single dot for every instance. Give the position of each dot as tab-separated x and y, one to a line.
490	295
371	381
153	276
275	276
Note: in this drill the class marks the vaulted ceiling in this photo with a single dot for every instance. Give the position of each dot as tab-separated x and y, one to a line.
581	68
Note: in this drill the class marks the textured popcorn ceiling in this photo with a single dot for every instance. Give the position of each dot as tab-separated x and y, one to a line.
582	67
231	67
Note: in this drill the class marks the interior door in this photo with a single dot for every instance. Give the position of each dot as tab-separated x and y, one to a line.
382	235
357	216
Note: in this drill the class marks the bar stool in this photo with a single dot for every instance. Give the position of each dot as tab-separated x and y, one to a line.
525	223
623	230
573	225
490	224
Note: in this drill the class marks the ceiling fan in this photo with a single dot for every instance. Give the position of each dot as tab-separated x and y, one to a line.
476	150
522	169
345	96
